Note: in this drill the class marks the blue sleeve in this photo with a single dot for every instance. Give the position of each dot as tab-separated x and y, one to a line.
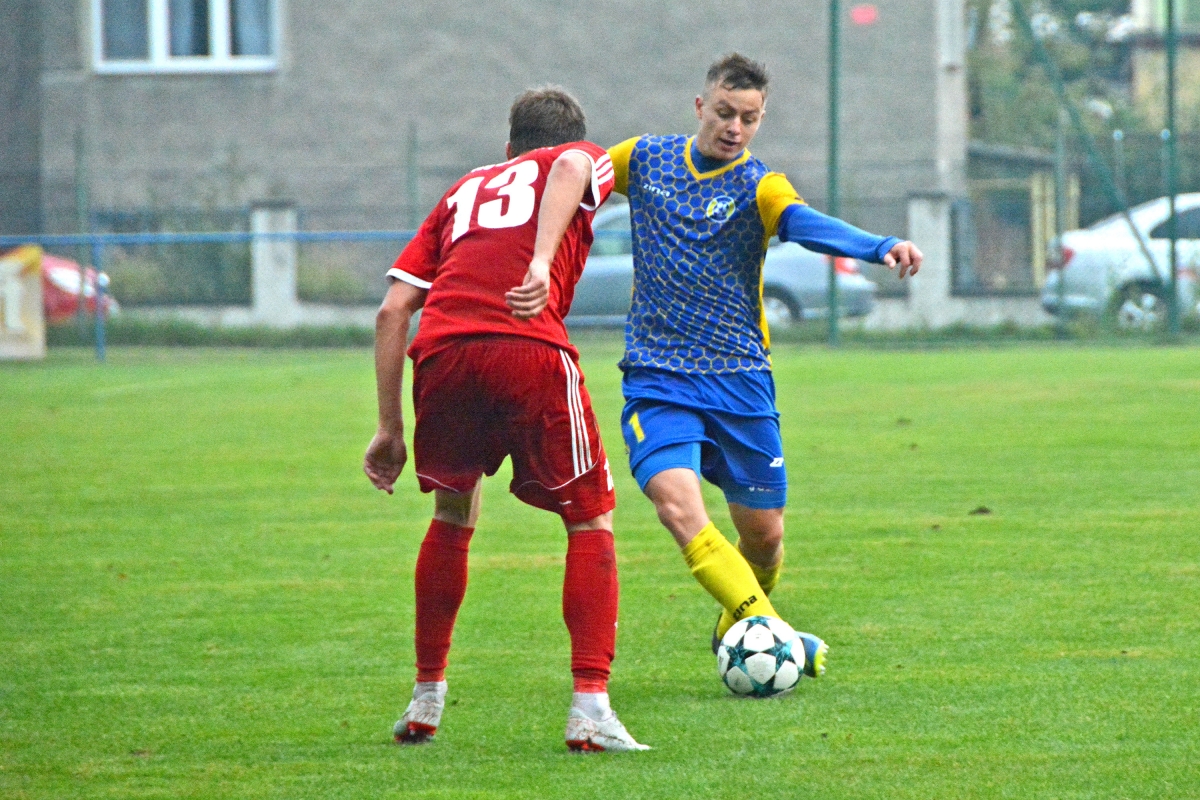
821	233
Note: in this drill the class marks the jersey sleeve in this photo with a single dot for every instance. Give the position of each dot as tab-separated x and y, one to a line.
775	193
620	154
602	174
821	233
418	262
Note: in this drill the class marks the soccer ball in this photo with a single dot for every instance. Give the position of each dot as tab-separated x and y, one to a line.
760	657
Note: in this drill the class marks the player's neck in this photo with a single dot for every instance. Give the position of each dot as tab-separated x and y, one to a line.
705	163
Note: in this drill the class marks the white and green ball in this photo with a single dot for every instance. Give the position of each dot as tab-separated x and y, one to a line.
760	657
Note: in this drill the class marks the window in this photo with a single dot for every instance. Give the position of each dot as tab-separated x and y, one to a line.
184	35
1187	225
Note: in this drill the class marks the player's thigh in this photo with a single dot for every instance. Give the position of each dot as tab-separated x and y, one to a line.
660	436
551	434
745	458
455	437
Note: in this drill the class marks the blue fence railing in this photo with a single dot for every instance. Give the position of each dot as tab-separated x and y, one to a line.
97	242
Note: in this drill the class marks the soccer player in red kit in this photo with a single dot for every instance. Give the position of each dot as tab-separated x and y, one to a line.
494	269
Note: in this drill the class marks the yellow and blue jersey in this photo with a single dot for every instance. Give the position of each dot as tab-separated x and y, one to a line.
698	244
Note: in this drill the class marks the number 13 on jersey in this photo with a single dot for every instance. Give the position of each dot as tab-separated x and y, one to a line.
515	183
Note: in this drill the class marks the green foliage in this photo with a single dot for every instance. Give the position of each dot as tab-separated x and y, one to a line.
203	597
178	274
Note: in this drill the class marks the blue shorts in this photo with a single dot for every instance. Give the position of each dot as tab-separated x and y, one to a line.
723	427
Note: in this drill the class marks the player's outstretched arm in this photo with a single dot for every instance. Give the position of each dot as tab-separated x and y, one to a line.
570	176
386	455
822	233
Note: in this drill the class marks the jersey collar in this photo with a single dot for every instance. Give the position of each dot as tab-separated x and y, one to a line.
702	176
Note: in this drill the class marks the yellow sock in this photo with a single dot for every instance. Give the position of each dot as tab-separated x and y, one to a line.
767	578
725	574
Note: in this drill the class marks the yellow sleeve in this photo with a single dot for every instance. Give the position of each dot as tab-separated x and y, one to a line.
775	193
619	155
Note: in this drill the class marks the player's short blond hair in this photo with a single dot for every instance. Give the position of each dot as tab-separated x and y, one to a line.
544	117
735	71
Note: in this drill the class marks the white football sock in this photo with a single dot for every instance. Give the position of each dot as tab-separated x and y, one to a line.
426	688
593	704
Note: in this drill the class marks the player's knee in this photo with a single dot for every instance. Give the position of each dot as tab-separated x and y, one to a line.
679	518
604	522
456	509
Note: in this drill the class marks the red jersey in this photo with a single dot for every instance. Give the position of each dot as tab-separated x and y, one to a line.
478	242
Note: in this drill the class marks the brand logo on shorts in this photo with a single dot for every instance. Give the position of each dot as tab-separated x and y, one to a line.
720	209
777	462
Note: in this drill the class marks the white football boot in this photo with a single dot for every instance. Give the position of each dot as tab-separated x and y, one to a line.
593	727
423	715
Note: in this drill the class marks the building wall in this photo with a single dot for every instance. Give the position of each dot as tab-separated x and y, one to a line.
20	108
330	128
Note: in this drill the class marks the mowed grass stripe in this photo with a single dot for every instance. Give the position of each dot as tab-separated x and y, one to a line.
203	596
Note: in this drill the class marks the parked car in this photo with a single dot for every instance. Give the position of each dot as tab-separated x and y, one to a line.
61	280
795	280
1102	270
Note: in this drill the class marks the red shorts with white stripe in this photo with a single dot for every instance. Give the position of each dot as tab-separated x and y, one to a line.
488	397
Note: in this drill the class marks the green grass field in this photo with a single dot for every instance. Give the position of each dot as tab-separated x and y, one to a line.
202	597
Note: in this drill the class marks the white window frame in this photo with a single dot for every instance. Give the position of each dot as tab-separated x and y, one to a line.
160	60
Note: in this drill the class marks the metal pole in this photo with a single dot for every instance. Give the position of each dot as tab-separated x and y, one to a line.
101	285
82	216
832	180
1060	212
1118	137
413	176
1172	171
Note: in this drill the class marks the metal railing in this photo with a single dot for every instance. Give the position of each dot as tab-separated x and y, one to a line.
98	242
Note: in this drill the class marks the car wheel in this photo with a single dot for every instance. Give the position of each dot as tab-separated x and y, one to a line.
1139	307
780	310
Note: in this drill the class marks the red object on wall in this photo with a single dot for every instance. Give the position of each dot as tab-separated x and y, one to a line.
866	14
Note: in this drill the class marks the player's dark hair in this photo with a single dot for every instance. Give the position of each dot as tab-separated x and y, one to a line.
735	71
544	117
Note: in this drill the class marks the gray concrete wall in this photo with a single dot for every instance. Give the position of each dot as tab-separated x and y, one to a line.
20	117
329	128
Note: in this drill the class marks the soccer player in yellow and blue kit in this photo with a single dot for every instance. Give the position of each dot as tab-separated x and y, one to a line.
699	396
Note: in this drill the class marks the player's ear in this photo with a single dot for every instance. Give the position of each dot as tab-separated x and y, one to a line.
699	107
508	151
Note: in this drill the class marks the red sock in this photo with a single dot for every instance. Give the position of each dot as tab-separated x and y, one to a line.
441	583
590	607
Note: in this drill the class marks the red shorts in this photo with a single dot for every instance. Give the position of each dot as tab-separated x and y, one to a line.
489	397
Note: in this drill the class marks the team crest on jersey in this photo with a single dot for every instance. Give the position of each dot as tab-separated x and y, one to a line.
720	209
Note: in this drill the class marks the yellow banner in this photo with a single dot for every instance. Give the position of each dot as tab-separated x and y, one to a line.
22	320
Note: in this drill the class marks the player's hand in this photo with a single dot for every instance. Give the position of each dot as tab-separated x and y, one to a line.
907	256
528	299
385	458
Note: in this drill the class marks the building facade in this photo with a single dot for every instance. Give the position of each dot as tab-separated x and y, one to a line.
361	114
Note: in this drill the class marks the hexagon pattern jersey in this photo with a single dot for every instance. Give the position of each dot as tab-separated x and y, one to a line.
698	247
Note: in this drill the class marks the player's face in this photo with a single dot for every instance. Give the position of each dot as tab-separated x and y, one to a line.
729	118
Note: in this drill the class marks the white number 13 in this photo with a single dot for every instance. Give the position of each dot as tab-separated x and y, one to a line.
516	183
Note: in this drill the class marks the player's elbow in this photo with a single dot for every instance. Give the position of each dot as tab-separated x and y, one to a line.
572	168
397	309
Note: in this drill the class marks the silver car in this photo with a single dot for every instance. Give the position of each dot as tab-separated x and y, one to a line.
1103	270
795	280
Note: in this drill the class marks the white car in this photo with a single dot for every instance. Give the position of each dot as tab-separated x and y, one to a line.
1104	271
